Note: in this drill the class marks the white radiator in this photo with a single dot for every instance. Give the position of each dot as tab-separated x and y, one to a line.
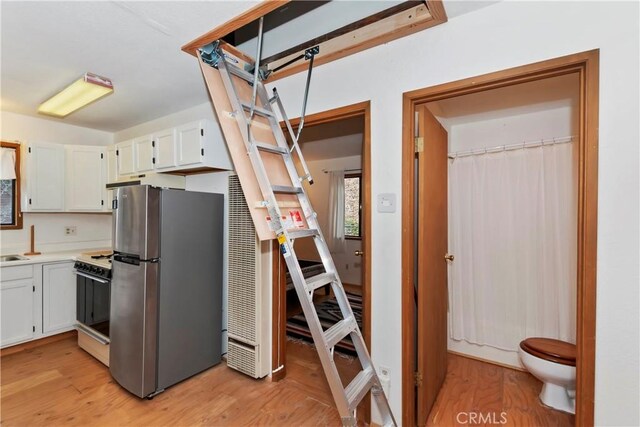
249	297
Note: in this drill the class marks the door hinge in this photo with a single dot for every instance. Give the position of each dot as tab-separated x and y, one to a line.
29	201
102	202
419	144
417	378
101	156
202	151
34	288
153	144
117	152
29	149
201	132
153	160
34	328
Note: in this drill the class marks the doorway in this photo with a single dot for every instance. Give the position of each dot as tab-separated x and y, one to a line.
345	116
585	67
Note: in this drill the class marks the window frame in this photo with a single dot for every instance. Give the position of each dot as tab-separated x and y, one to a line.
359	176
17	225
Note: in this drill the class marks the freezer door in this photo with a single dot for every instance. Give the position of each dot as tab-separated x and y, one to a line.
134	314
136	217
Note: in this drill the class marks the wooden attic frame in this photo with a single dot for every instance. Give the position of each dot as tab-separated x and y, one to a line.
398	21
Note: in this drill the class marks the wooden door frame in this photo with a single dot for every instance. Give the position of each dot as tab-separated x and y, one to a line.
586	64
279	320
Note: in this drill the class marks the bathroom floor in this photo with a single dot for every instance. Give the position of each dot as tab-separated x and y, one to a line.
479	393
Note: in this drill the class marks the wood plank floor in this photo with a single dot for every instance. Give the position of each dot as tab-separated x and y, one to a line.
59	384
502	396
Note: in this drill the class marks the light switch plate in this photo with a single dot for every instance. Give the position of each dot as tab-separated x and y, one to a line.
387	202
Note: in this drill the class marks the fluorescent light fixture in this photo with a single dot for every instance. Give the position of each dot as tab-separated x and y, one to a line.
78	94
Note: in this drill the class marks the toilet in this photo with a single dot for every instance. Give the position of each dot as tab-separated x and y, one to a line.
554	363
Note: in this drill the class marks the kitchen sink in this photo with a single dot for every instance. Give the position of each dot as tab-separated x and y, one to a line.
5	258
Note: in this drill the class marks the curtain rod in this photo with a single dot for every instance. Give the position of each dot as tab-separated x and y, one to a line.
342	170
519	146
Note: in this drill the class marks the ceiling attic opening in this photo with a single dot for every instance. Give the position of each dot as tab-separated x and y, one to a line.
337	28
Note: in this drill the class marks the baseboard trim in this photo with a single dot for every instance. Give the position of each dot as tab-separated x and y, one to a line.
37	343
491	362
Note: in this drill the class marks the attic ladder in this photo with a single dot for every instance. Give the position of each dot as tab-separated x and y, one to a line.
346	398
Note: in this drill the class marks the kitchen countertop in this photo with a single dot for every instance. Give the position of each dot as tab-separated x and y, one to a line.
46	257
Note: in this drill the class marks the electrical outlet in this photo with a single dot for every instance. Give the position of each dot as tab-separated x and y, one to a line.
70	230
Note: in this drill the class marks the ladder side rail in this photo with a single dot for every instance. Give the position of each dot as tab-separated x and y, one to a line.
294	137
254	156
306	301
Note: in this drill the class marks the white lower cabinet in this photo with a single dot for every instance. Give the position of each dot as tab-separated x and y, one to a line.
16	303
36	301
58	297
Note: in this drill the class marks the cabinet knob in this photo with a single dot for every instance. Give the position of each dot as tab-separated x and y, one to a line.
358	253
449	257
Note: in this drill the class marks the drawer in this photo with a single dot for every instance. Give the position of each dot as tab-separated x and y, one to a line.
17	272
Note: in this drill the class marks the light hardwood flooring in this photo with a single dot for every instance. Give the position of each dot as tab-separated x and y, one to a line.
59	384
502	396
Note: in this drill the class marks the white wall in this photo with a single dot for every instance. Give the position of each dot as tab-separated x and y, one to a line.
546	124
504	129
93	230
504	35
349	266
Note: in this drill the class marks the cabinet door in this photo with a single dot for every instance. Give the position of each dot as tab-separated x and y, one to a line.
165	142
58	297
190	150
45	177
16	300
126	158
144	156
85	180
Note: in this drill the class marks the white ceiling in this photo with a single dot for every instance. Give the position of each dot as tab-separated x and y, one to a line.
47	45
546	94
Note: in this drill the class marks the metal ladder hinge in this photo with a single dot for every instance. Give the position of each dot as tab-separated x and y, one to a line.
419	144
417	378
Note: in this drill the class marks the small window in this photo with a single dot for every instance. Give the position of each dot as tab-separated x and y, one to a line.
353	206
10	214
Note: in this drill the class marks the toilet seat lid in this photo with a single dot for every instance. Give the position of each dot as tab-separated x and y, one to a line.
552	350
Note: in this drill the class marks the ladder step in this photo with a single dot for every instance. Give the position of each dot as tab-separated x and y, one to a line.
258	110
358	387
285	189
301	233
337	332
270	148
236	71
319	281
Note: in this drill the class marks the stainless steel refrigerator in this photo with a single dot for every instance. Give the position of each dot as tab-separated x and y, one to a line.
166	289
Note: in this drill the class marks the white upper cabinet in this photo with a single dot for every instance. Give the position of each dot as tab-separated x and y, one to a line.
165	145
144	156
126	158
86	178
43	177
195	146
191	143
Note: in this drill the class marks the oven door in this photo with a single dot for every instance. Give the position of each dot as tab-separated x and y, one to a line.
93	302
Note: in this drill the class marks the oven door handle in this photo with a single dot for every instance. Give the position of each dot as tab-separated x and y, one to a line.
92	277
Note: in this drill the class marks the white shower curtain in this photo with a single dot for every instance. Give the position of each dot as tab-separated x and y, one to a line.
336	239
513	224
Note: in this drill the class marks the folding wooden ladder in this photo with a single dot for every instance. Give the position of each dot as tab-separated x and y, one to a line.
244	111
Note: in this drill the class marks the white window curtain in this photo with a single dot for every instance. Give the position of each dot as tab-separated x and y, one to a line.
513	224
336	238
7	163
